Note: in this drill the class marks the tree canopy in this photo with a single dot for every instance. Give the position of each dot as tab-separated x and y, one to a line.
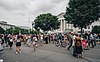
13	30
96	29
46	22
17	30
2	31
82	13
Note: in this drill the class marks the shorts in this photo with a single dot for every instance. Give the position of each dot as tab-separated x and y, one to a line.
10	44
34	43
18	43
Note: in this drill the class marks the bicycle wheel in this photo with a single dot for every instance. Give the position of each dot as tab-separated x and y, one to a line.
57	44
64	44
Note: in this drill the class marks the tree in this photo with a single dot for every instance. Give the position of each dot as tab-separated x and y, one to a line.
46	22
13	30
24	31
82	13
16	30
2	31
9	31
33	32
96	29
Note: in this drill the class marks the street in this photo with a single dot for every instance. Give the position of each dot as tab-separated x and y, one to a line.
49	53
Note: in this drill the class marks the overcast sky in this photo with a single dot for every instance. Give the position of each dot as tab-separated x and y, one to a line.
18	12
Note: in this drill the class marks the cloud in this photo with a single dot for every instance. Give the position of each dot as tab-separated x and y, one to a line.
57	1
13	4
17	11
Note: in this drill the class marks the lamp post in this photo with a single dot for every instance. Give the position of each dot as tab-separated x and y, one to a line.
6	31
33	25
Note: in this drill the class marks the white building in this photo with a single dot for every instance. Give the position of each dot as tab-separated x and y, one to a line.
5	26
89	28
66	27
24	27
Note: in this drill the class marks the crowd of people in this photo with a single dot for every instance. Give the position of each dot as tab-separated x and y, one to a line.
34	40
28	39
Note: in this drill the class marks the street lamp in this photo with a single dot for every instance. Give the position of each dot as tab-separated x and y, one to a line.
33	25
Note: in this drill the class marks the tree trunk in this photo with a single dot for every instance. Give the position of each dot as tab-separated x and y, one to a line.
81	31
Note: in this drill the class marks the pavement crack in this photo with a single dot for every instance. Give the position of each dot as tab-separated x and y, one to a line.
87	60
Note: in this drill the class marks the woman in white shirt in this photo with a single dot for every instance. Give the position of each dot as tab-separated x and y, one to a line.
34	41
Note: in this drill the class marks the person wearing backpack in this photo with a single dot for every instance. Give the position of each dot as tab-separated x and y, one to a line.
78	51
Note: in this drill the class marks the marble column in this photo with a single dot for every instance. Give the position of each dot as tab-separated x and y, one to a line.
64	25
61	25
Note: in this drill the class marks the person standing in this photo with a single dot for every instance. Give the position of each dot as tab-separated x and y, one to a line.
46	39
95	36
41	40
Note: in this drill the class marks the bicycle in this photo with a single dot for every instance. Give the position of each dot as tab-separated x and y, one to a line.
60	43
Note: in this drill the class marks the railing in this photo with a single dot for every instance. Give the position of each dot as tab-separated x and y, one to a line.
98	40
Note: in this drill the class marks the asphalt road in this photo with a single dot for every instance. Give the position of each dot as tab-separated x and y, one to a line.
49	53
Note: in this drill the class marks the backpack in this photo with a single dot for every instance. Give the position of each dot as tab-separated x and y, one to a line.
78	43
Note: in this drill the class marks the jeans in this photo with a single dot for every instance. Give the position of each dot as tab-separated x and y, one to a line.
91	42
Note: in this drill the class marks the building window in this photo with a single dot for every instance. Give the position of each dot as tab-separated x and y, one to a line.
71	26
88	27
68	25
92	27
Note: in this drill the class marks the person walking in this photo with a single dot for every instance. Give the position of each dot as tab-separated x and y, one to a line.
91	40
5	37
1	43
10	43
86	37
78	51
95	36
70	39
18	45
29	41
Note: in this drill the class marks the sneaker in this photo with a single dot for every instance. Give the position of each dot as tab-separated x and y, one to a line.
19	51
1	60
16	52
1	50
34	49
36	46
